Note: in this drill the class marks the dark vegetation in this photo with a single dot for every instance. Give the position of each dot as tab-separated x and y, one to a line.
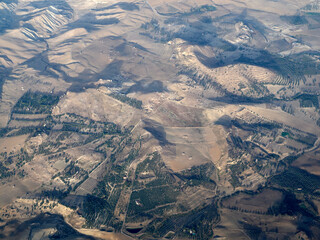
236	170
254	126
55	194
153	166
308	100
99	207
36	103
206	19
295	19
5	172
96	211
155	192
303	208
199	222
260	161
75	123
149	198
254	232
158	189
18	158
153	187
289	205
297	179
200	9
128	100
314	16
199	175
308	139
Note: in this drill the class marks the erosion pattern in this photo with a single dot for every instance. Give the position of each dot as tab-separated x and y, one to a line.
159	119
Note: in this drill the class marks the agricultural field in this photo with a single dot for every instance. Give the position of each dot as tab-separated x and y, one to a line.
159	120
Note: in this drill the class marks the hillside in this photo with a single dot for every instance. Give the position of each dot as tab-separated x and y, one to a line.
159	119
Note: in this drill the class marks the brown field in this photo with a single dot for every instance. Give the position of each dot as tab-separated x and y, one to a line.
278	115
196	196
19	124
253	203
189	89
231	225
16	189
192	146
285	7
172	114
184	156
103	234
18	116
12	144
97	105
309	161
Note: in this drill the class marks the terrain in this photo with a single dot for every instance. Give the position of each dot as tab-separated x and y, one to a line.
159	119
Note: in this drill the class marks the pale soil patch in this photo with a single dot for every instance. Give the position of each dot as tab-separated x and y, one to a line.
297	145
103	234
219	150
18	124
183	7
35	142
29	116
193	145
39	164
22	208
184	156
181	135
172	114
60	165
280	116
215	114
12	144
311	36
287	7
209	141
15	189
274	89
98	106
73	33
18	48
89	160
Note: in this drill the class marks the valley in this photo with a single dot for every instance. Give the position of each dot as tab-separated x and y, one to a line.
159	120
